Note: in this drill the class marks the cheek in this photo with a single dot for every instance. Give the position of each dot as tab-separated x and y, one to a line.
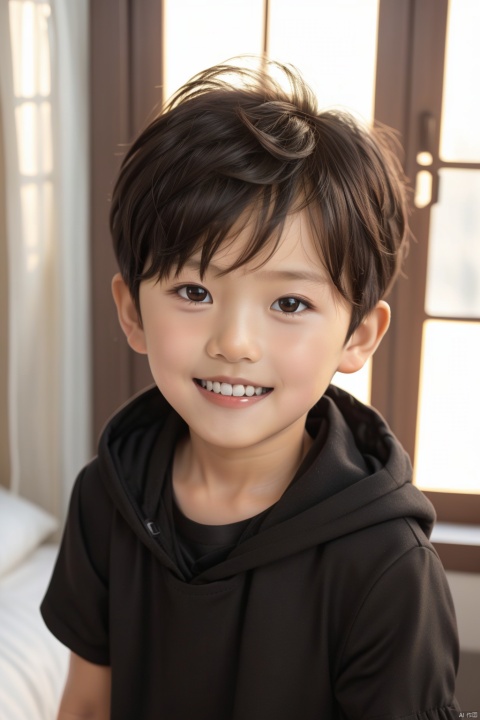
171	345
306	365
309	350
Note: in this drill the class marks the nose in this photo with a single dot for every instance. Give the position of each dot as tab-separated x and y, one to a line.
235	336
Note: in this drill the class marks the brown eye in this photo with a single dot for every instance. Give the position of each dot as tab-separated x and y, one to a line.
194	293
289	305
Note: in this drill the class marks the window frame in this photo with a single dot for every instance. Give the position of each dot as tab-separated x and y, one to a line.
412	36
126	66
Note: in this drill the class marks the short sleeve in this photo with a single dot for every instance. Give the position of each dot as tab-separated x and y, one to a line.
401	654
75	607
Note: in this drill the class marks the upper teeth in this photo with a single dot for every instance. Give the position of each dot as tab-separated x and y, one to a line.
236	390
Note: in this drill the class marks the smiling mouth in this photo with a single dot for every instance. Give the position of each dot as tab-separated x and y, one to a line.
227	389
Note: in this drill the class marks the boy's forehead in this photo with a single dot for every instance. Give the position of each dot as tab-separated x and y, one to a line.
297	248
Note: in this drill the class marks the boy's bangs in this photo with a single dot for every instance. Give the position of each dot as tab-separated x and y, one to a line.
261	216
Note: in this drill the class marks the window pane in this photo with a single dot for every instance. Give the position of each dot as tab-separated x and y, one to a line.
201	34
358	383
334	44
453	278
460	139
448	429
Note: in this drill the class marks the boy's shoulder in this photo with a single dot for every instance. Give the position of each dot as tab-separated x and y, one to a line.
378	578
395	554
380	545
89	494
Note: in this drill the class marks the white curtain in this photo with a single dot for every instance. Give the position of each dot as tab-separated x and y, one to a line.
44	105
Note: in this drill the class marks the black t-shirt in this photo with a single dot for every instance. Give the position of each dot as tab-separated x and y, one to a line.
202	545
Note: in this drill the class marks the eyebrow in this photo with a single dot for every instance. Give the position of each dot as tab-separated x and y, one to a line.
306	275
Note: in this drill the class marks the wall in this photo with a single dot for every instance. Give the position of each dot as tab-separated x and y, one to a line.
465	589
4	436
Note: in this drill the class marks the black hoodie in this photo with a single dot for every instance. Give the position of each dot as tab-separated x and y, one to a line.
332	605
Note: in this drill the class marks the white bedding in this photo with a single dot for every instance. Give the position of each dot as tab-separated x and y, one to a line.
33	664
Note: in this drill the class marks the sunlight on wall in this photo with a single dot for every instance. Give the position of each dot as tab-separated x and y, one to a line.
32	88
44	68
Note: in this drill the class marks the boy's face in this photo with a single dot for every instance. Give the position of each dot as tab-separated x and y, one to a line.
273	335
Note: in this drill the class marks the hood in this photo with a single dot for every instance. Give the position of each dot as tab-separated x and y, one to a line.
355	475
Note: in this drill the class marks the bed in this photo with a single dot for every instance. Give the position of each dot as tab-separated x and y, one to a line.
33	664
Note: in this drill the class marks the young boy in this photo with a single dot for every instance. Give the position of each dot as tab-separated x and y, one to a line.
248	544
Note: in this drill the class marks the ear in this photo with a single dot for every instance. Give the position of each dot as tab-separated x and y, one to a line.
128	315
366	338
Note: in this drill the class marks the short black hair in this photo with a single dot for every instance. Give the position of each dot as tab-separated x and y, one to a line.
233	139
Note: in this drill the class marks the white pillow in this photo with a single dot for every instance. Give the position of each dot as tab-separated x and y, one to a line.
23	527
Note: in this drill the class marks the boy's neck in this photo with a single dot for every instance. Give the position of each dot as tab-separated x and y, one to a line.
215	485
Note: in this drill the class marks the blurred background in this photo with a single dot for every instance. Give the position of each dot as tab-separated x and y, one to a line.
78	80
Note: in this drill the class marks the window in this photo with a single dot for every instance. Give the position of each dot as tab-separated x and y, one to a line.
400	54
428	386
447	425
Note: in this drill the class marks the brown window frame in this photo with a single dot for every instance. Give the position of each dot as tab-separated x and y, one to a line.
412	36
126	73
125	85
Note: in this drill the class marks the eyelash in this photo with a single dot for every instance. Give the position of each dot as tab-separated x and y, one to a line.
176	291
284	313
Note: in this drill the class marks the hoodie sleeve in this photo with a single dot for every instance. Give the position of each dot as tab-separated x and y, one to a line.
401	653
75	607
